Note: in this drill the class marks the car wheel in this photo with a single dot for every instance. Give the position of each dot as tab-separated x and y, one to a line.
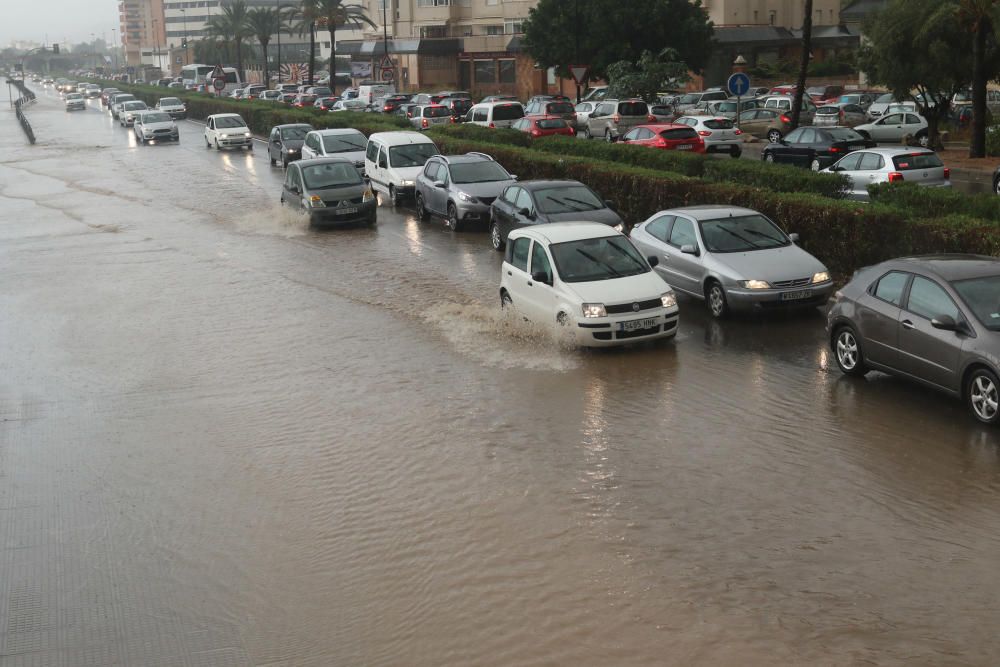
847	351
982	394
736	152
769	157
217	146
774	136
586	132
496	239
421	211
815	165
250	146
505	300
454	224
562	319
924	140
996	186
715	297
607	137
207	143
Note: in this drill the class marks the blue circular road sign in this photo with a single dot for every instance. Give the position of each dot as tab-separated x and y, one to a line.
738	84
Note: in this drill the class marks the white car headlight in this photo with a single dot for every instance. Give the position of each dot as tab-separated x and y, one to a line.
669	300
246	134
406	183
594	310
368	196
821	277
755	284
620	227
465	197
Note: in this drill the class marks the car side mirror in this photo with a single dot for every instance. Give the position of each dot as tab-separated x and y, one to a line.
690	250
783	142
611	203
524	212
653	260
541	277
440	184
945	323
793	237
513	177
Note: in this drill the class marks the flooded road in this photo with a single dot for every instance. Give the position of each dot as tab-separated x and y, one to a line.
227	439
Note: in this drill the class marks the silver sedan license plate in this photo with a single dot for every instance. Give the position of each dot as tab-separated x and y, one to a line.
635	325
795	296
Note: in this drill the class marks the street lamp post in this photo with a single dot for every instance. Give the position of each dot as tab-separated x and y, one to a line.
184	14
280	26
156	38
114	48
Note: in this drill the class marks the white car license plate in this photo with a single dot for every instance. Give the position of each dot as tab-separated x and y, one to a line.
795	296
684	147
346	211
635	325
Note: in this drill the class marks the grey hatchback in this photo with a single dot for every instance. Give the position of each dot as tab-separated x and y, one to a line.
934	319
460	188
330	190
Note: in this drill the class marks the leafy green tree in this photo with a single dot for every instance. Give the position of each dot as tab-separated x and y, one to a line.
264	22
232	26
561	33
647	77
918	46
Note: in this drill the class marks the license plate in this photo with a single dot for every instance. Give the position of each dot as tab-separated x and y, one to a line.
635	325
345	211
854	148
795	296
684	147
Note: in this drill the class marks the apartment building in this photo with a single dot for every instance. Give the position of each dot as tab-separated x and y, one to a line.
142	32
778	13
468	44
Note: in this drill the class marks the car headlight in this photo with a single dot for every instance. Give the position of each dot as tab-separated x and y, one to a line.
368	196
669	300
821	277
755	284
594	310
406	183
246	134
620	227
316	202
466	197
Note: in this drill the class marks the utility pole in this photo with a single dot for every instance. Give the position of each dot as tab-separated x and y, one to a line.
576	34
280	26
185	16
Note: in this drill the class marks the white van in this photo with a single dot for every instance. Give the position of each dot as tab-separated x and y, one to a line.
368	92
394	159
495	114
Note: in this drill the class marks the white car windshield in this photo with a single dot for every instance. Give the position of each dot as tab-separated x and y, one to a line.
603	258
411	155
344	143
170	102
229	121
749	232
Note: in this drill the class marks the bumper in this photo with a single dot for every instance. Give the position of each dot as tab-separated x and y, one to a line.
178	115
470	212
71	107
330	216
231	142
723	146
607	332
172	136
808	296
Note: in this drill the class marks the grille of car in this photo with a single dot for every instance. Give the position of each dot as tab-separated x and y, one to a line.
344	202
487	200
167	131
619	308
798	282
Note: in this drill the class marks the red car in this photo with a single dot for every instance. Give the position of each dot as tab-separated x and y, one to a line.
544	126
666	136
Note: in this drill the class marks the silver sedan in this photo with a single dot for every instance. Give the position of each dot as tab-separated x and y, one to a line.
890	165
733	258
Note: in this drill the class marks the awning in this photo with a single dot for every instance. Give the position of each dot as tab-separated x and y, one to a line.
373	48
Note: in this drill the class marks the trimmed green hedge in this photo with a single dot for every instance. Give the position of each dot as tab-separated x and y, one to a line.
922	202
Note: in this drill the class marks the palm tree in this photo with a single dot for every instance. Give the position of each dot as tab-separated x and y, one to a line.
302	18
232	25
264	22
335	14
980	17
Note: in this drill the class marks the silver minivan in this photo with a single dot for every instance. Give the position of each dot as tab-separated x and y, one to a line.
613	118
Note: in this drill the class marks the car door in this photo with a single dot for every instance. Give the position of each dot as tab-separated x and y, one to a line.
425	184
439	189
651	240
680	269
518	253
911	124
382	168
803	152
539	296
889	128
274	145
292	189
210	130
786	151
502	210
878	318
849	166
927	353
524	211
597	120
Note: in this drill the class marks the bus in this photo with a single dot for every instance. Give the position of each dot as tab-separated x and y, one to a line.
196	76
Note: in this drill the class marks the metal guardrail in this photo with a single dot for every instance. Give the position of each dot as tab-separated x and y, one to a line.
27	97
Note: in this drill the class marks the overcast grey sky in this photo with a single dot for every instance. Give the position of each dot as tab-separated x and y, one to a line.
62	20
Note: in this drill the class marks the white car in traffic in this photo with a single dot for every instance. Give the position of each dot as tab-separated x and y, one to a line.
227	130
589	280
720	134
155	126
75	101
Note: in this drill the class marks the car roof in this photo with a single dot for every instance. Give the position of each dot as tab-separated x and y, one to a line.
712	211
292	125
561	232
334	131
498	103
400	138
226	115
463	159
950	266
542	184
893	152
324	160
659	127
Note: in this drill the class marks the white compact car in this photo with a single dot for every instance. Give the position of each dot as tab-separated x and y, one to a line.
891	165
719	134
129	111
590	279
75	101
337	142
227	130
394	159
155	126
173	106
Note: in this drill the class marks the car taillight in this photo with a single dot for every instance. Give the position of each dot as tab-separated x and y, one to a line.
661	142
423	122
836	149
704	133
947	174
738	131
452	120
785	119
895	177
387	108
536	133
650	118
616	118
492	125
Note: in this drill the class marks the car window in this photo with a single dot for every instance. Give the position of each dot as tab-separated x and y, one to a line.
524	200
584	107
806	137
632	108
912	120
540	260
682	233
794	136
928	299
893	119
430	171
914	161
870	161
382	161
890	287
851	162
510	194
719	124
633	135
371	151
660	228
479	115
508	112
519	253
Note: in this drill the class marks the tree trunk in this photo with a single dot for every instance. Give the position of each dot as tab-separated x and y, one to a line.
312	51
239	59
267	78
333	56
800	88
977	147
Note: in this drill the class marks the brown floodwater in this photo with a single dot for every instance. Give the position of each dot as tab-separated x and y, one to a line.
228	439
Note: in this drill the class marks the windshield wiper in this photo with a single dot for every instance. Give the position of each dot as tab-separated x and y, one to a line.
590	206
593	259
632	259
778	242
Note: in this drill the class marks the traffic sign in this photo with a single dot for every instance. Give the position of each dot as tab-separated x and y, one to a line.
388	74
738	84
579	73
218	73
219	82
386	63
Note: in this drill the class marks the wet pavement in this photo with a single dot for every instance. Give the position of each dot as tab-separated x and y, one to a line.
228	439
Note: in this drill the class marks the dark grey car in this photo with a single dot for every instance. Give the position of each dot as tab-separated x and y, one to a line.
329	190
934	319
460	188
539	202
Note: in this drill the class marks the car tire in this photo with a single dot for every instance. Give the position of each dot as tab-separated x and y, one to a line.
924	140
774	136
996	186
814	165
607	137
847	352
715	299
217	146
735	152
768	157
586	133
454	224
208	144
496	238
505	300
981	392
270	159
394	196
422	214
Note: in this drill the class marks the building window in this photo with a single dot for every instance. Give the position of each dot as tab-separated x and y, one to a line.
756	18
494	30
513	27
485	71
507	71
437	62
491	3
433	3
433	31
773	16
